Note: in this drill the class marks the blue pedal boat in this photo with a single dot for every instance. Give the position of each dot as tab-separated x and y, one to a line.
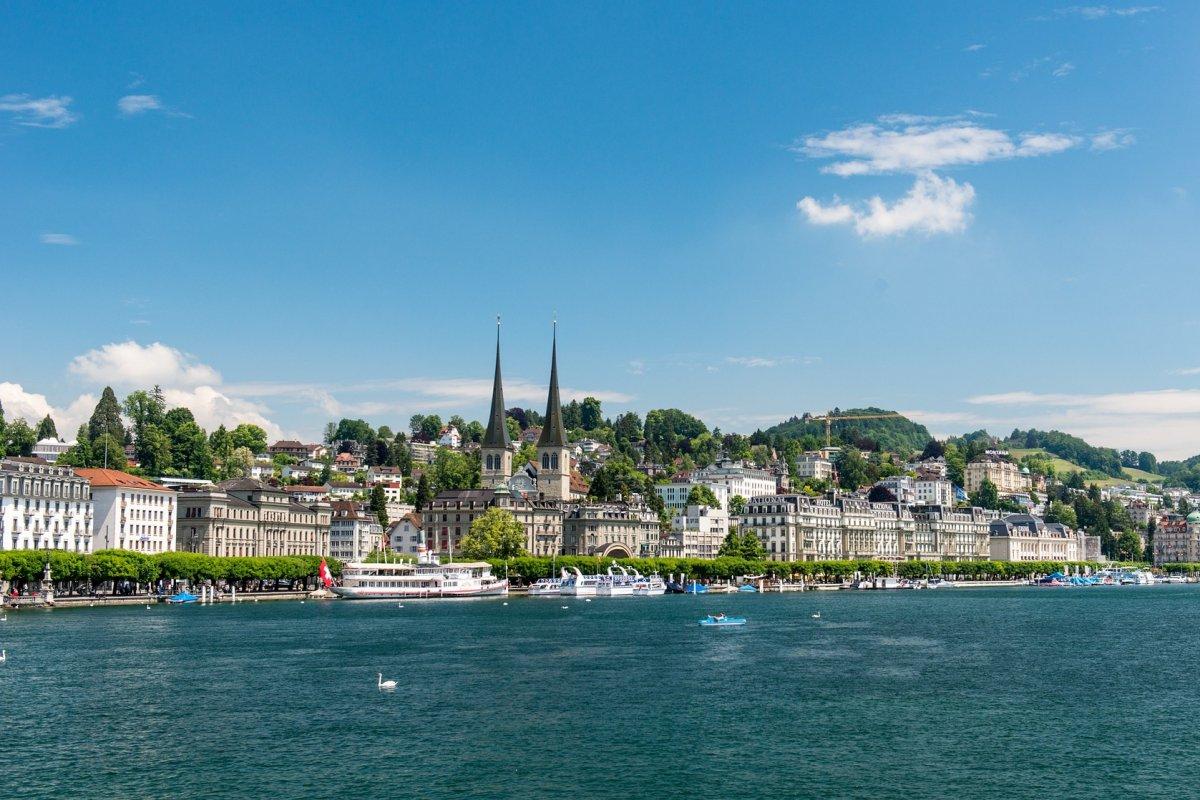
720	620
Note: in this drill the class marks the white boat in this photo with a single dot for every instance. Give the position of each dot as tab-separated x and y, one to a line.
616	584
938	583
648	586
427	579
580	585
547	587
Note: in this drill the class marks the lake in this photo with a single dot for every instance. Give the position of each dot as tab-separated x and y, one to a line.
976	693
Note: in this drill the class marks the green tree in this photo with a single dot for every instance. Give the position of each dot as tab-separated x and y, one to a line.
454	470
987	496
425	492
494	534
591	416
431	427
737	505
703	496
46	429
106	418
19	438
1062	513
108	451
751	547
851	468
1129	547
153	449
956	464
249	436
731	546
190	454
379	505
239	464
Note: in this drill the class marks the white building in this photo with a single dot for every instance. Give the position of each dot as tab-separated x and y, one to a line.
901	487
131	513
933	492
1022	537
51	448
675	494
696	533
814	465
739	478
450	437
406	534
354	532
43	507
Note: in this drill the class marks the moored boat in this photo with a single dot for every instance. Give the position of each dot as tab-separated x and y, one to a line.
425	579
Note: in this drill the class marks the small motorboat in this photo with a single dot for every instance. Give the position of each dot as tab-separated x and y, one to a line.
182	597
720	620
747	587
695	587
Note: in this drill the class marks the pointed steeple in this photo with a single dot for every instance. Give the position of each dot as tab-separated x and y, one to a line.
553	434
497	427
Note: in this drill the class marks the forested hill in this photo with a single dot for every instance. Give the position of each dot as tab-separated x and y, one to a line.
1072	448
895	434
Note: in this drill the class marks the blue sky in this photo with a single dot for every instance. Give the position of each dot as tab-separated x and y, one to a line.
981	216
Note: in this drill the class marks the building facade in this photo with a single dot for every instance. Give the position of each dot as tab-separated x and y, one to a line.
448	517
44	507
697	532
675	494
1000	469
613	530
130	513
1023	537
354	532
738	478
406	535
246	517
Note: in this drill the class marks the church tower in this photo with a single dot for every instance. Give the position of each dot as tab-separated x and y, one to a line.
554	459
495	455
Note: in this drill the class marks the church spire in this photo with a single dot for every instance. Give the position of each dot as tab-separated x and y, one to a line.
497	427
552	427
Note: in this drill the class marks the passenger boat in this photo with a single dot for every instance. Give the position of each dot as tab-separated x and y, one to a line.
181	598
650	586
616	584
720	620
546	587
424	579
580	585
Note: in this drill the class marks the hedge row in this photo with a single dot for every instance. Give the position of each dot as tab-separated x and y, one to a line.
127	565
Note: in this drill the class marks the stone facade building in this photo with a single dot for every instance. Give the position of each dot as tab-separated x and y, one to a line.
615	530
696	532
354	532
448	517
1000	469
44	507
246	517
1022	537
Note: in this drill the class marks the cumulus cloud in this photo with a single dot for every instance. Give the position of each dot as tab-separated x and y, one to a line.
212	408
133	104
62	239
135	365
932	205
32	407
39	112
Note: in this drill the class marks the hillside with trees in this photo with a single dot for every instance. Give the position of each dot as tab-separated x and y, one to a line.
894	434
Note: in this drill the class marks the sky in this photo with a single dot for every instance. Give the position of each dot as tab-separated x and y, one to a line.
979	215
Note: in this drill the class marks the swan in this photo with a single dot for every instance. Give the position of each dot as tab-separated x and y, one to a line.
147	608
385	684
566	606
587	599
817	615
4	618
506	604
3	656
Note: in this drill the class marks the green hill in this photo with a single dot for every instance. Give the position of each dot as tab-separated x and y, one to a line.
1062	467
895	434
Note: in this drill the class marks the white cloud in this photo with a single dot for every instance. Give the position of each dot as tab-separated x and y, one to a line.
212	408
1186	371
1112	140
760	362
32	407
1100	12
39	112
914	143
932	205
1063	70
637	367
64	239
974	48
134	104
130	364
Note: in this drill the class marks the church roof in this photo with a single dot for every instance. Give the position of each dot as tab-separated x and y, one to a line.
553	434
497	427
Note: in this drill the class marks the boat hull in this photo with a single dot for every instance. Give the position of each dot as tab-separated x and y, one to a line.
400	593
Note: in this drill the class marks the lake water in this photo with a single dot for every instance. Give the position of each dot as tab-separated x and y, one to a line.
976	693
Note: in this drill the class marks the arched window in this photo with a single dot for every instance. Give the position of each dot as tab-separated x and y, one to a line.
545	461
554	461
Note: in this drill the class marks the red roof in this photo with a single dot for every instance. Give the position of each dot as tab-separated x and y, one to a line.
114	477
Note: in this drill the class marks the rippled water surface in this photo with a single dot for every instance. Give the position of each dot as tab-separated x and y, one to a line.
969	693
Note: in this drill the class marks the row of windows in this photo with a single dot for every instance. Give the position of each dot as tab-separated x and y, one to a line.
37	488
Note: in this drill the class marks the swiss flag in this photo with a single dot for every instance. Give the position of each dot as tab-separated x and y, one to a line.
326	575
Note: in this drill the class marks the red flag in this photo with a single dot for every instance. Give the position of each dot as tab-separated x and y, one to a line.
325	574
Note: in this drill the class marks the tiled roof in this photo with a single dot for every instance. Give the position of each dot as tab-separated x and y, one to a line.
114	477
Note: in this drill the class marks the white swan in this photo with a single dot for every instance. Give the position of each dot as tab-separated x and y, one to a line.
385	684
3	656
566	606
817	615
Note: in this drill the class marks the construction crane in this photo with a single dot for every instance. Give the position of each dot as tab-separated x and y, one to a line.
829	419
